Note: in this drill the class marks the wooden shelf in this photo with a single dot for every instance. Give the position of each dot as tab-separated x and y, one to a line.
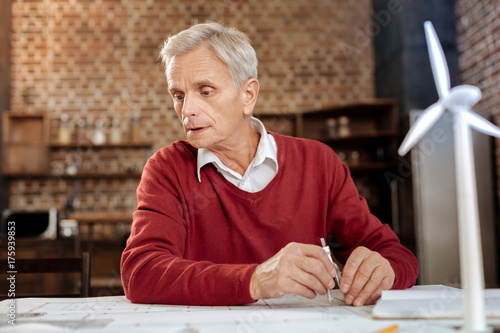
101	217
362	136
100	175
367	166
77	176
125	144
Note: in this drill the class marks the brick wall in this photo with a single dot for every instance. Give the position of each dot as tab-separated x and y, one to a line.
478	25
97	59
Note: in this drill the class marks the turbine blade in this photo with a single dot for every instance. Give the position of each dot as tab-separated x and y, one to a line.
438	61
480	124
423	123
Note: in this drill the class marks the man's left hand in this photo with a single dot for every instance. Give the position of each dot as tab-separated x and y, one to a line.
366	273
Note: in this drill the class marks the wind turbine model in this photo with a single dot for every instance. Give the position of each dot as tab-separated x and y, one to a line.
459	101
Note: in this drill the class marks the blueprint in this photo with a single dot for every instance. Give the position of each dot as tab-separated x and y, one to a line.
290	313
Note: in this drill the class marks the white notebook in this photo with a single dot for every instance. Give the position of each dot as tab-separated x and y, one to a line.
433	301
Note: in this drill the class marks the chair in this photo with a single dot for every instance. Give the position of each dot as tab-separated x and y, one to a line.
56	265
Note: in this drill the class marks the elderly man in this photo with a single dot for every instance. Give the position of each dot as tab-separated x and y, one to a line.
235	213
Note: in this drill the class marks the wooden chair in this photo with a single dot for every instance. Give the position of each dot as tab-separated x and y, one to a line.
55	265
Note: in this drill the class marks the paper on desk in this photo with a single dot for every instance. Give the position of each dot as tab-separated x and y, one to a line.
434	301
290	313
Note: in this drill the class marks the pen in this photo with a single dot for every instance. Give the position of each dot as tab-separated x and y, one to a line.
338	276
389	329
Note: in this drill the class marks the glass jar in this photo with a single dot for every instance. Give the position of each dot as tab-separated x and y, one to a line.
64	134
135	127
343	129
116	133
68	228
81	131
98	137
331	125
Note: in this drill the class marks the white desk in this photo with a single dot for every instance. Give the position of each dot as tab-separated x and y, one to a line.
287	314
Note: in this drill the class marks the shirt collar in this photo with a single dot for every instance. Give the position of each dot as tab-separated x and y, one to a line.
265	149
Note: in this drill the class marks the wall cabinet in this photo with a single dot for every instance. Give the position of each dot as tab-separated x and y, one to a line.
24	140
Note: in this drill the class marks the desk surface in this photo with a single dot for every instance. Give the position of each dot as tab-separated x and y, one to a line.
287	314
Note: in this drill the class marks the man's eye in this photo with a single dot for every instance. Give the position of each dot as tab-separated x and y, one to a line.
206	91
179	97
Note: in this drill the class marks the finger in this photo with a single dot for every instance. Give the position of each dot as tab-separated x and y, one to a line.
309	281
317	274
361	278
301	290
351	268
385	285
370	287
317	252
314	261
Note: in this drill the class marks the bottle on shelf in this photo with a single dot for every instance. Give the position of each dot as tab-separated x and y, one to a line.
331	125
135	126
81	131
344	130
64	134
116	132
98	137
354	158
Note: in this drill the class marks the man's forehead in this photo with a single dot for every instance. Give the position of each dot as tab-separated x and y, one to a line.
197	65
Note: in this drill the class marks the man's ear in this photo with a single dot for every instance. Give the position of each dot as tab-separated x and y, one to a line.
250	91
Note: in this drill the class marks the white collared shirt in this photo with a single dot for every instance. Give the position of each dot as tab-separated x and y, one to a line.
261	170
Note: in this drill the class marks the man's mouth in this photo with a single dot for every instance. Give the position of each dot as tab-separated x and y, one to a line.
196	129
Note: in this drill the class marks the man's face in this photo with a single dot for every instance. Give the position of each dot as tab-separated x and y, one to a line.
210	108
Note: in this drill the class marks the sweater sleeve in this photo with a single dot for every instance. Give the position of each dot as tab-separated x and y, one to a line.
152	265
353	225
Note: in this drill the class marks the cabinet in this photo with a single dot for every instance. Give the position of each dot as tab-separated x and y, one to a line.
365	136
24	139
90	184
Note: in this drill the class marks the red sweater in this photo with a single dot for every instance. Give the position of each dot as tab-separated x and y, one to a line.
199	242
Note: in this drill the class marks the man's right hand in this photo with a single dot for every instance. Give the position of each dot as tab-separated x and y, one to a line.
300	269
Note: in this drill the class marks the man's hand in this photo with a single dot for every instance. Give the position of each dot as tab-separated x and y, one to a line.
299	269
366	273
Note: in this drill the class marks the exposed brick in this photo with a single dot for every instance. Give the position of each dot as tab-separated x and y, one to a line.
478	26
99	60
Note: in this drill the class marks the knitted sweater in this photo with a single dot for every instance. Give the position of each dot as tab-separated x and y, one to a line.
199	242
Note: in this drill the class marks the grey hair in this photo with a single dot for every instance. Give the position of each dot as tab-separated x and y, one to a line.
228	44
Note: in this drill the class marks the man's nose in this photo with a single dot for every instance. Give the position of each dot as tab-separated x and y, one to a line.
190	106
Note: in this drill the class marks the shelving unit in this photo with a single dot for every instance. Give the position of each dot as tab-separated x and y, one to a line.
369	150
123	144
98	229
31	157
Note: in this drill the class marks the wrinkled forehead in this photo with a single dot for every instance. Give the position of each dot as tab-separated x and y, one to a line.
199	64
